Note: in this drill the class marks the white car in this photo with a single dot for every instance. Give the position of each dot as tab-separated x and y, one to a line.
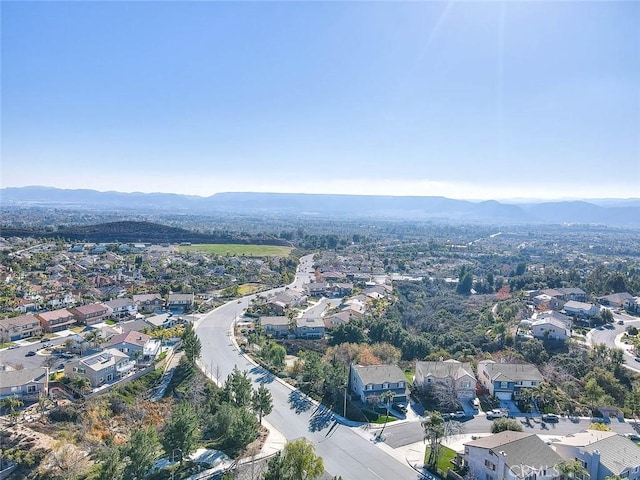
496	413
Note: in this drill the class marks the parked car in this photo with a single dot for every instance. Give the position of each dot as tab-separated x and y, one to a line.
459	414
550	418
637	359
633	437
401	407
620	322
496	413
30	353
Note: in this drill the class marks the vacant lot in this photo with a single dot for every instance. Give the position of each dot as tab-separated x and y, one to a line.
235	249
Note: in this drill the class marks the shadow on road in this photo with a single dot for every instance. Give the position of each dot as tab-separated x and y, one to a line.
299	403
263	375
321	419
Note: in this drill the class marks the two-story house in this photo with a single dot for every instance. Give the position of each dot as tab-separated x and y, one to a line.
148	302
17	328
101	367
277	327
122	308
602	454
309	327
90	314
132	343
56	320
506	380
180	301
550	328
511	456
454	375
369	383
581	309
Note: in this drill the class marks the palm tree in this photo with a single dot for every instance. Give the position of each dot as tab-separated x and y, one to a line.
572	469
12	403
386	397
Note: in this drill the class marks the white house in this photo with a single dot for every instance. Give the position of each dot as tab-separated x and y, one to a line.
602	454
101	367
511	455
581	309
550	328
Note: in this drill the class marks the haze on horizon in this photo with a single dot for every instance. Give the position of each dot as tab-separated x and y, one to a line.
472	100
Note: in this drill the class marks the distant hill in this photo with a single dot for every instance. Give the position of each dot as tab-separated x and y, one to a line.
624	212
135	232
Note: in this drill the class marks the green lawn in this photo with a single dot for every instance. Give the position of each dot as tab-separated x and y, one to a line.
444	461
381	419
234	249
249	288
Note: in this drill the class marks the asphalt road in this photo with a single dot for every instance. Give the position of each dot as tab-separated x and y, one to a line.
17	356
608	335
343	450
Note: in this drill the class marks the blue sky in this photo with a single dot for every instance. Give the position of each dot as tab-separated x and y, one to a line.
461	99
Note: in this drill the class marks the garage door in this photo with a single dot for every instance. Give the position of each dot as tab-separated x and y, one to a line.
503	395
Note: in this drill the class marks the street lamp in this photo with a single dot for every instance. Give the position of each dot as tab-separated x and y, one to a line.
173	453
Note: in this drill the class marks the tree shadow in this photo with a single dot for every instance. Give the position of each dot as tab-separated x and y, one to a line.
263	375
299	402
321	419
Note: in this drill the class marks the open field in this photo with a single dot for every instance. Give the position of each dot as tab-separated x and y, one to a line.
236	249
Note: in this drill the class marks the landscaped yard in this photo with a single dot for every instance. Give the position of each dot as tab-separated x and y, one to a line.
444	461
235	249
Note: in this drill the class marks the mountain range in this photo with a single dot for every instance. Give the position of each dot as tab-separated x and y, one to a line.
612	212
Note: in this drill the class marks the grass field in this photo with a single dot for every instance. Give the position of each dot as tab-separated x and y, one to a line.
444	459
234	249
249	288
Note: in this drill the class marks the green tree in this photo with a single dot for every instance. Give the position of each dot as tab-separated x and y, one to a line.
142	449
191	343
502	424
111	464
593	392
313	369
12	403
276	468
434	432
182	431
261	401
572	469
298	462
81	383
386	397
238	389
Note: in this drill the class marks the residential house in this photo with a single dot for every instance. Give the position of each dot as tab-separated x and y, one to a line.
332	321
632	305
511	456
615	300
333	276
56	320
122	308
17	328
287	299
180	301
309	327
26	305
456	376
566	294
150	352
90	314
369	383
340	289
149	302
164	320
277	327
581	309
550	328
101	367
132	343
318	289
544	302
602	454
28	383
506	380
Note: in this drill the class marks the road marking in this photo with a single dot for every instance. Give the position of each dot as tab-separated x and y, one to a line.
374	473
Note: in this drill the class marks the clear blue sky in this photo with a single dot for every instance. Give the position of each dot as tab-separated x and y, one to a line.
467	100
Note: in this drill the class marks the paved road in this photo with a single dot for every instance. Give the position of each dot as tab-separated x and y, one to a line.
344	451
17	356
608	336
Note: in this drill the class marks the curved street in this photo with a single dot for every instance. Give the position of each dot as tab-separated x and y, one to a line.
344	450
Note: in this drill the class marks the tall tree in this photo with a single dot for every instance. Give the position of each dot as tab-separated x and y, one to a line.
112	465
182	431
502	424
191	344
386	397
301	461
261	401
434	432
237	388
572	469
142	449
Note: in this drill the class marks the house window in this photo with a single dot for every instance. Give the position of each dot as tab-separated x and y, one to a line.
466	384
31	389
401	384
488	477
490	465
504	384
385	385
368	387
